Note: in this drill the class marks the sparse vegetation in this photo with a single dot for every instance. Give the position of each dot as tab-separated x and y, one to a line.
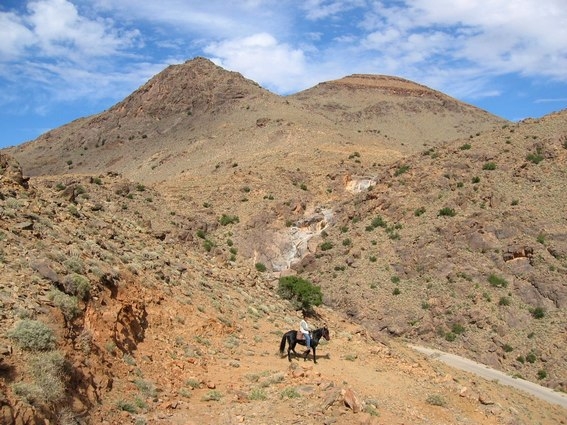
289	392
325	246
497	281
538	313
226	219
489	166
436	400
33	335
401	170
446	212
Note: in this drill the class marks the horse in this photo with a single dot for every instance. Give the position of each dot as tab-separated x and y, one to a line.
291	338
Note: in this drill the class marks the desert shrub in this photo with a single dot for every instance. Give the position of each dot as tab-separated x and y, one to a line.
541	374
79	285
531	358
465	147
290	392
378	221
419	211
126	406
457	328
508	348
201	234
396	291
446	212
193	383
147	388
489	166
212	395
47	371
347	242
260	267
538	313
228	219
395	279
33	335
450	336
475	180
325	246
258	394
401	170
68	304
536	157
302	292
497	281
208	245
504	301
436	400
75	265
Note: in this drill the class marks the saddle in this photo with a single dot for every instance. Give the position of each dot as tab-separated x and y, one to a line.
300	336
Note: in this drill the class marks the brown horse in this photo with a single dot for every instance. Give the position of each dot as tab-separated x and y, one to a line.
291	339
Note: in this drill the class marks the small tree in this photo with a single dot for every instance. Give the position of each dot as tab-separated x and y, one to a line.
300	291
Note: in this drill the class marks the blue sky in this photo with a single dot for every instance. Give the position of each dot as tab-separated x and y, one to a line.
65	59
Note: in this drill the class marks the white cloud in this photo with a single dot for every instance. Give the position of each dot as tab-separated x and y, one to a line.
262	58
320	9
14	36
62	31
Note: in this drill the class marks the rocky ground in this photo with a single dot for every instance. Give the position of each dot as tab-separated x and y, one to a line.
165	335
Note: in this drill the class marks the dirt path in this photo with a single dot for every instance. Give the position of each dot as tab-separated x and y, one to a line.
484	371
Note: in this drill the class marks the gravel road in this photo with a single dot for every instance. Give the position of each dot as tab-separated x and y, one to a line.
484	371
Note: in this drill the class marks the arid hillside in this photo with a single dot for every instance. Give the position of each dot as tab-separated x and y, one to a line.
141	251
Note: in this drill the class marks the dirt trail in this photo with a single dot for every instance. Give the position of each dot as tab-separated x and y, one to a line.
484	371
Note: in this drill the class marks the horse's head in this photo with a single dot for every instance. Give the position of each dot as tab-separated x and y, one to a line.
326	333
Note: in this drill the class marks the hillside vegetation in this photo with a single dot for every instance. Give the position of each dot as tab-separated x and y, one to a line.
142	247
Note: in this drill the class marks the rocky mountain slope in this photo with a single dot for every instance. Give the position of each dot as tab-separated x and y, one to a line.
140	236
114	315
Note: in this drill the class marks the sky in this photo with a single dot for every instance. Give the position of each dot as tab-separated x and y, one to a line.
65	59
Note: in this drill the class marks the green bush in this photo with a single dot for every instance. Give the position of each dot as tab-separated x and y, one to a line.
446	212
538	313
489	166
536	158
300	291
378	221
457	329
33	335
497	282
79	285
68	304
419	211
325	246
228	219
47	371
465	147
401	170
260	267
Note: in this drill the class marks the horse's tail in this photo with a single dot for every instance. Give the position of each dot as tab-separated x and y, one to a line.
282	344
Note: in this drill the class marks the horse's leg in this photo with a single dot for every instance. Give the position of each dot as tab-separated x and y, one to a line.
314	356
290	348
